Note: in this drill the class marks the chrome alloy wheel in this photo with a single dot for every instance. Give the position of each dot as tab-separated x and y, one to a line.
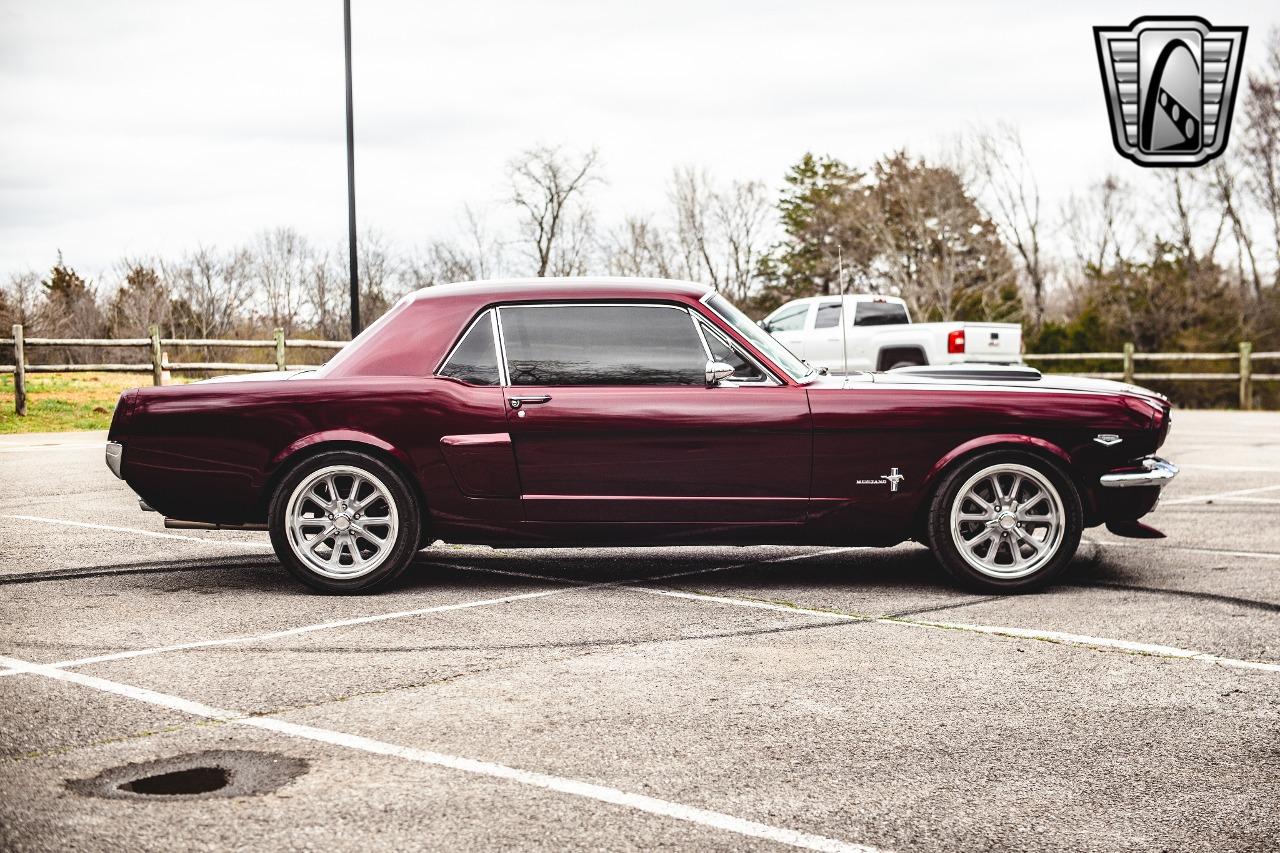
342	522
1007	521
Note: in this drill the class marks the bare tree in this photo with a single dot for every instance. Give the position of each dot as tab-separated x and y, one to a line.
548	187
742	214
328	297
281	261
21	299
1010	196
1261	151
477	255
720	235
141	299
1226	177
212	290
639	248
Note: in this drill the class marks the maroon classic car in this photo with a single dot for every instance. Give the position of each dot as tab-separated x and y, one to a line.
636	412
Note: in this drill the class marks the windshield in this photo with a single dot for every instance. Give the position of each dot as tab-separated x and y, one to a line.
759	338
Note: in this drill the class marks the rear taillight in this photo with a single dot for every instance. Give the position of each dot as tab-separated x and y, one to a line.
955	341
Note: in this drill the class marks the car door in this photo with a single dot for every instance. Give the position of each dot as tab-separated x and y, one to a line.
789	324
825	342
612	421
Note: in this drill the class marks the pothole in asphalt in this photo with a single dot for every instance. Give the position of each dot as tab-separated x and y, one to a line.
197	775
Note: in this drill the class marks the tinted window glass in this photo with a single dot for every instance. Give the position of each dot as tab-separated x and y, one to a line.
789	319
475	361
722	352
828	316
602	345
879	314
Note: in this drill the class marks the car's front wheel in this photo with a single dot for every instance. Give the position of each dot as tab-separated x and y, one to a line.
344	522
1005	521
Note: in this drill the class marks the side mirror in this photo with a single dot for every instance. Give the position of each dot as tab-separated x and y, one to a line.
764	324
717	370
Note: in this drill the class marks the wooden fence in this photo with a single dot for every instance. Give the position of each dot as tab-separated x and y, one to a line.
1244	375
158	363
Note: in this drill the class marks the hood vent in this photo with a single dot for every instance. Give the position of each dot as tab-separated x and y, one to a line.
972	372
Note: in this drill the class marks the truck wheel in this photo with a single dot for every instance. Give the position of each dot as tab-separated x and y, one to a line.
904	364
344	522
1005	521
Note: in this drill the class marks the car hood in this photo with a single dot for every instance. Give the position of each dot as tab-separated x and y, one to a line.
1045	382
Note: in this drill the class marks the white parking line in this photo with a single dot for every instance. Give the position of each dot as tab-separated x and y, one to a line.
28	448
1196	466
138	531
302	629
1127	646
559	784
1258	555
1218	495
401	614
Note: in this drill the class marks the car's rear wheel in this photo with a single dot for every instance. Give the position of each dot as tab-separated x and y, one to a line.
1005	521
344	522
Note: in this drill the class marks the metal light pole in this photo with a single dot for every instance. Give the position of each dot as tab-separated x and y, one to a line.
351	179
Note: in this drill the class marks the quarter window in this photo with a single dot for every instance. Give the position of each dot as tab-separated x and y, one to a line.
475	359
602	345
722	352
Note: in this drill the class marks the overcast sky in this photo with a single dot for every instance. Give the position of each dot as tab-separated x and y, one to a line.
146	128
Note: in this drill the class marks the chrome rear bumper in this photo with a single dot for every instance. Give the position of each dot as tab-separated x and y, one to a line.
1155	472
115	453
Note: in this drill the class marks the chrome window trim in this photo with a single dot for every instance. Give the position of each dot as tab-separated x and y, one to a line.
502	341
477	320
503	380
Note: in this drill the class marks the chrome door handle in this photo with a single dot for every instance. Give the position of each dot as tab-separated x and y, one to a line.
517	402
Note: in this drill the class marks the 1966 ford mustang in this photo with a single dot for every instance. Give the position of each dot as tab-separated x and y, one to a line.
636	412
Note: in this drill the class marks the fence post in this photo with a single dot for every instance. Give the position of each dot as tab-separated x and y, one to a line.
157	361
280	349
1128	363
19	373
1246	375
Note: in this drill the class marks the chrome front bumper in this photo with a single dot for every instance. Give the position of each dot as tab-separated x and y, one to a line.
115	453
1155	472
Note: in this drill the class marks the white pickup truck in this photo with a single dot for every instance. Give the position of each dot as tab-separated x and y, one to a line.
882	336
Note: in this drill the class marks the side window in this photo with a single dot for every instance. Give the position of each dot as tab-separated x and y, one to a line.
789	319
828	316
602	345
475	359
721	351
880	314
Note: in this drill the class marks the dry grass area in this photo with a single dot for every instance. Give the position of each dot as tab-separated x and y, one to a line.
66	401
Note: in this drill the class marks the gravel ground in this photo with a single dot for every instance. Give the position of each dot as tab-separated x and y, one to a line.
766	697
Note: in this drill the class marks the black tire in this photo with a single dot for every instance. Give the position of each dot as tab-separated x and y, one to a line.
905	364
400	548
1041	568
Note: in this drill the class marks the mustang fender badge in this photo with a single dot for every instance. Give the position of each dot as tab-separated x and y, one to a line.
893	478
1108	439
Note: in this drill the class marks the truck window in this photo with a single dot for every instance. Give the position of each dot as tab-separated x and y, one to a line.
789	319
828	316
880	314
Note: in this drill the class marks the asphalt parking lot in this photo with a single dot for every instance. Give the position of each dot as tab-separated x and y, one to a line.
687	698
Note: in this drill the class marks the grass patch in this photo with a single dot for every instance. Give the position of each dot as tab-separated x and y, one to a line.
57	402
